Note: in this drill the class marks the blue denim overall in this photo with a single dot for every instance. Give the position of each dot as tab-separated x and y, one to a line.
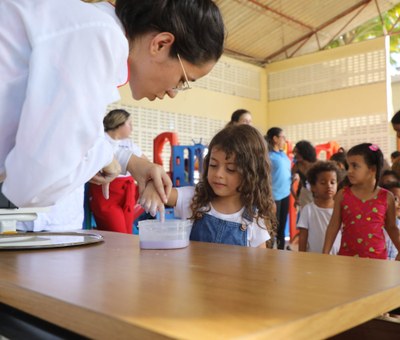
212	229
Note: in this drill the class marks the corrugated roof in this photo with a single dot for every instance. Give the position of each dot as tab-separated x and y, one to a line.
262	31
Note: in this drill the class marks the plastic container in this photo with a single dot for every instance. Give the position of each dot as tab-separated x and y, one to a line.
171	234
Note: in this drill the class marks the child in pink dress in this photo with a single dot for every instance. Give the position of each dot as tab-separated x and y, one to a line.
363	209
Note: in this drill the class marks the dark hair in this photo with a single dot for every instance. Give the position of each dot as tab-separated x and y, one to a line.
391	185
388	173
114	119
395	154
249	148
396	118
235	117
269	137
340	157
306	151
372	155
197	25
319	167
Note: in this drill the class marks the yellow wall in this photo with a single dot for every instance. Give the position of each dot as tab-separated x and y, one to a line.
204	103
357	101
349	102
396	96
335	53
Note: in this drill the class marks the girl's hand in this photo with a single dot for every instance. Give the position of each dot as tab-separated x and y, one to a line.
151	202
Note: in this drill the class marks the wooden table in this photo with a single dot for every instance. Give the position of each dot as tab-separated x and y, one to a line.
114	290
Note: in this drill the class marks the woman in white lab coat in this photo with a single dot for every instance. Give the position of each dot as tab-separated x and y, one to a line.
61	63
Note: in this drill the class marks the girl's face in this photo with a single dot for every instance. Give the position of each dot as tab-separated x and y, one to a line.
326	185
340	165
223	176
358	171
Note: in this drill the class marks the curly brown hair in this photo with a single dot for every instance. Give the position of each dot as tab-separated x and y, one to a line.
249	147
321	166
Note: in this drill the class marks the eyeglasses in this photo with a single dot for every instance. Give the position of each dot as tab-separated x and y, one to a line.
182	86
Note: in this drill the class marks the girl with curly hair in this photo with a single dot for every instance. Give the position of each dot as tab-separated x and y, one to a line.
232	203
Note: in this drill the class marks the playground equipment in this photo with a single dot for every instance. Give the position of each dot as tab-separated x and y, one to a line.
325	151
185	159
184	162
158	147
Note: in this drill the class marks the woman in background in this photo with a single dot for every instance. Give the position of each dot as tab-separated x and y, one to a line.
116	213
281	179
241	116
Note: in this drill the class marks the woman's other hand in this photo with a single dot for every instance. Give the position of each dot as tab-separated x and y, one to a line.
145	173
107	175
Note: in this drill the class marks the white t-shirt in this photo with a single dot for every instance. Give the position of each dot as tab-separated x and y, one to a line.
60	65
255	235
316	220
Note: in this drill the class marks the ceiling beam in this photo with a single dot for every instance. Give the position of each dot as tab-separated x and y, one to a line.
343	28
243	56
394	25
381	18
309	34
283	15
300	46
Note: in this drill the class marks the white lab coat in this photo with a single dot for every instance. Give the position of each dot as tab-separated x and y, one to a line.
66	215
60	65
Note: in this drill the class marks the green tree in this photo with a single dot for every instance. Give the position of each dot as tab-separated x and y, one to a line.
374	28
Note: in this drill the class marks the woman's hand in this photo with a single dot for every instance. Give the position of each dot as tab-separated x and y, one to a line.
152	179
107	175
